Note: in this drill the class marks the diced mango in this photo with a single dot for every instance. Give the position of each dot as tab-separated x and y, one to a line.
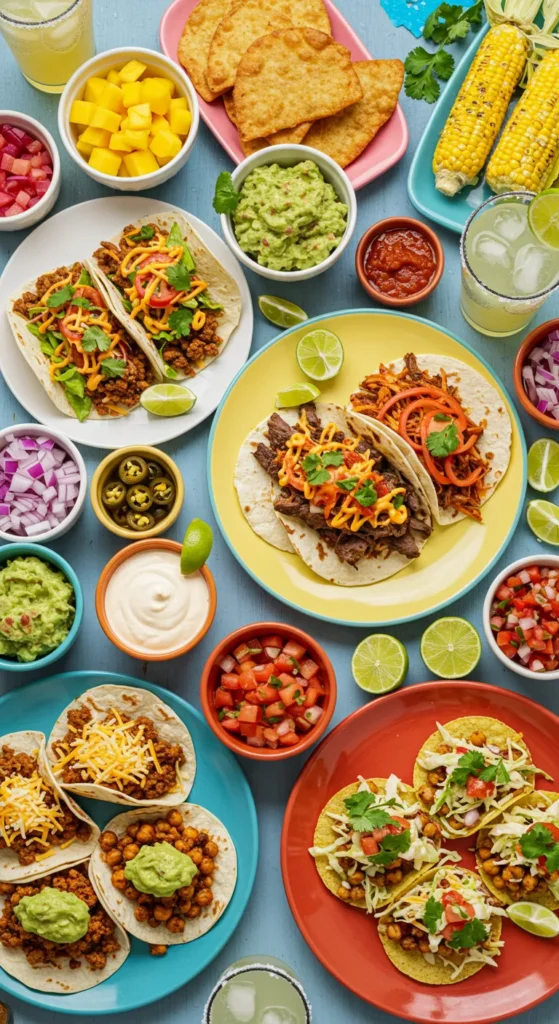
140	163
156	93
106	119
179	103
111	97
180	121
84	148
131	71
165	145
125	124
136	140
93	89
95	136
131	93
105	160
113	77
158	122
119	142
139	117
81	112
167	83
122	172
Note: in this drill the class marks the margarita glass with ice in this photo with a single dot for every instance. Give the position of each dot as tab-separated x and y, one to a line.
258	990
50	39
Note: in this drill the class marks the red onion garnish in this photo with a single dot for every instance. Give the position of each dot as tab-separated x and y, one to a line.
39	485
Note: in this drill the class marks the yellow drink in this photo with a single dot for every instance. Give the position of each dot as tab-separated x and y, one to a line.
50	39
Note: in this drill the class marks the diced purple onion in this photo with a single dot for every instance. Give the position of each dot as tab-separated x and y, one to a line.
471	817
540	375
39	485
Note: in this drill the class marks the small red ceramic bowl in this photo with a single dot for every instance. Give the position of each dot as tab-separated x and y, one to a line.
398	224
530	341
212	673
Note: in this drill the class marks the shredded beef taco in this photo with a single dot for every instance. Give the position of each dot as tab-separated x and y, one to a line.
518	855
444	929
88	363
334	489
41	827
124	745
449	422
170	292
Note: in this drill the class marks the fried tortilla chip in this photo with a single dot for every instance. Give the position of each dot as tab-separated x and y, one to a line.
194	45
345	135
249	22
287	135
292	76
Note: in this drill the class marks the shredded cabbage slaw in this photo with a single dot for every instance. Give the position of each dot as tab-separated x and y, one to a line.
505	834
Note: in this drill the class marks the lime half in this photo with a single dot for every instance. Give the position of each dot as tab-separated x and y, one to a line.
281	312
167	399
379	663
320	354
451	647
543	520
535	919
297	394
543	217
196	546
543	465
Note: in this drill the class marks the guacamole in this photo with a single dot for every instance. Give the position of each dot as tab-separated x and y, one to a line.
289	218
54	915
36	608
160	870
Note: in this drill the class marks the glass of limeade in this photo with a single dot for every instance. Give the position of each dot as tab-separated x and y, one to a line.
258	990
507	274
50	39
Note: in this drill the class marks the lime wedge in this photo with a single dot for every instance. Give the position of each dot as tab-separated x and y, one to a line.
451	647
543	217
543	520
297	394
379	663
167	399
196	546
320	354
281	312
535	919
543	465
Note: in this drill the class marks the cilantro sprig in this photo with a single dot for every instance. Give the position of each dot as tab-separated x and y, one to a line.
472	934
226	198
473	763
315	466
94	338
447	24
363	814
391	846
443	442
432	915
539	842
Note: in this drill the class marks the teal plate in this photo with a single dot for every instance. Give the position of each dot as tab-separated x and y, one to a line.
219	785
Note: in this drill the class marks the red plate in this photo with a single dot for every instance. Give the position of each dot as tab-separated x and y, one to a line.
380	738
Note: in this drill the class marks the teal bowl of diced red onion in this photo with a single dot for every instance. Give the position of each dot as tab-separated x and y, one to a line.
43	483
29	171
521	617
536	374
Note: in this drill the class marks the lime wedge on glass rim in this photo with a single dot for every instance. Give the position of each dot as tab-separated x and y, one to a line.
167	399
543	217
543	465
196	546
451	647
379	663
543	520
534	918
281	312
320	354
297	394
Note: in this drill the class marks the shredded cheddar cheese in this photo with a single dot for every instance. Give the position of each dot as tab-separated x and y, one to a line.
112	752
24	810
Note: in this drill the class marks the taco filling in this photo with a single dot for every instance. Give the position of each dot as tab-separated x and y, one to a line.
155	273
88	352
520	852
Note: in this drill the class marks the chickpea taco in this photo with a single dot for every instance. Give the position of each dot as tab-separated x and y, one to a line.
166	875
470	770
124	745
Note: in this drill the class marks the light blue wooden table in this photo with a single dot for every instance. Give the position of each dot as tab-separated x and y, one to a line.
267	926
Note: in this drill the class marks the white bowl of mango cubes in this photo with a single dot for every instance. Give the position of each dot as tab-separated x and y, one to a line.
129	118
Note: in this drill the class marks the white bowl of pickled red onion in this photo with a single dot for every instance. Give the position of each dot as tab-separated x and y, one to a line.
29	171
43	483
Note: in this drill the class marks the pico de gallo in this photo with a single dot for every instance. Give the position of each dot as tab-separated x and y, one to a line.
525	618
270	692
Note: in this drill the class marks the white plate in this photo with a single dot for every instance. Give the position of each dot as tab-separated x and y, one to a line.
71	235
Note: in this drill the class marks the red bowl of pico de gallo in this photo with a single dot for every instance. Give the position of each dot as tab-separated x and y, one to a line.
268	691
521	616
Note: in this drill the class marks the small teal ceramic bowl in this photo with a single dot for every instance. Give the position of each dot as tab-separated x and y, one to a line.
10	551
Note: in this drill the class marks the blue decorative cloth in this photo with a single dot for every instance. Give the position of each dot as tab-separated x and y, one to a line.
411	14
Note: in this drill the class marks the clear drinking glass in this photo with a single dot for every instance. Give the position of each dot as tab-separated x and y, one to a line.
50	39
258	990
507	274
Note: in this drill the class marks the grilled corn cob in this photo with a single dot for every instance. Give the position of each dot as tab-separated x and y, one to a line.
479	109
526	154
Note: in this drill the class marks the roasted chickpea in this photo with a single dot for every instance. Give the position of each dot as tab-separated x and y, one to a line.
162	826
119	879
204	897
455	822
444	748
357	892
437	776
194	911
211	849
529	883
343	893
175	818
444	809
491	868
108	840
478	738
133	829
554	876
158	950
153	922
162	913
394	932
207	881
113	857
506	874
373	786
408	942
131	893
190	833
181	846
175	925
424	946
141	913
146	899
203	838
498	882
427	794
207	867
6	888
484	853
394	876
196	855
184	906
167	901
517	871
353	879
186	893
430	829
131	851
145	834
125	841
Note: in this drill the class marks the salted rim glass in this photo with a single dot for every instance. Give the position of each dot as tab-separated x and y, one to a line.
521	197
234	972
21	23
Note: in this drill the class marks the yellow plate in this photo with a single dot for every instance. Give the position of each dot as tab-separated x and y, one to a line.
454	559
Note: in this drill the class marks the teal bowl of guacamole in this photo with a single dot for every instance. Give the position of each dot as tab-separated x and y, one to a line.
41	607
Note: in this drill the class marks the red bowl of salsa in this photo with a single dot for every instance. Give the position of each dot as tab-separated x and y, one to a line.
268	691
399	261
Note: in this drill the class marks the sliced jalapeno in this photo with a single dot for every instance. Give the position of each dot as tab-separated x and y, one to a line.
139	521
119	515
159	514
139	497
113	494
154	470
133	470
163	491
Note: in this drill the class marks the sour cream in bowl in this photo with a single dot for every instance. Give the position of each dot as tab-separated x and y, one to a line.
147	607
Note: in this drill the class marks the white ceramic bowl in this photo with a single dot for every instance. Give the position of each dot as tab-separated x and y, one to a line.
45	205
159	66
286	156
37	430
551	561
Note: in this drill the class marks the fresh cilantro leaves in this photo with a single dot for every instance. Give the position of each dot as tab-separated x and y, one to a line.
364	816
178	277
315	466
539	842
391	846
348	484
495	773
443	442
366	495
81	301
398	501
472	934
85	278
113	367
334	458
144	234
471	763
425	70
180	321
60	297
226	197
432	914
94	338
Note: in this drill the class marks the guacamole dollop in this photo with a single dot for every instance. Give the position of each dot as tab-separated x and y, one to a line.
160	870
54	915
36	608
289	218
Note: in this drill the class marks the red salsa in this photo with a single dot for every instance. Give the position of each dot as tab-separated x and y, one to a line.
270	692
525	618
400	262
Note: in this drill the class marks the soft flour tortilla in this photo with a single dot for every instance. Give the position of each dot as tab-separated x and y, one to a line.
135	703
64	979
122	909
324	835
484	405
33	743
547	899
222	288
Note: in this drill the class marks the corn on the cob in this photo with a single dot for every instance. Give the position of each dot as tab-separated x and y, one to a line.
479	109
526	153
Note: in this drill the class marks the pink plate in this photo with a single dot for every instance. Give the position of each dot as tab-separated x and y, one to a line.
388	146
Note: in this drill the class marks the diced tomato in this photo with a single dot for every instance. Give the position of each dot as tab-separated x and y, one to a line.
285	664
294	650
456	908
287	680
309	668
514	582
263	672
450	929
289	739
504	593
555	607
534	573
252	697
537	645
245	666
276	710
230	681
302	724
369	846
250	713
550	626
290	693
270	735
258	739
504	637
231	724
247	680
509	651
247	728
273	640
266	694
462	750
223	698
311	697
550	827
400	827
478	789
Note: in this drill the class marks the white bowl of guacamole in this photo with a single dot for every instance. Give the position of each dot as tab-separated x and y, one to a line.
296	214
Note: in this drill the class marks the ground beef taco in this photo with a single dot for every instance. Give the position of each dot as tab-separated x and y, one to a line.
123	745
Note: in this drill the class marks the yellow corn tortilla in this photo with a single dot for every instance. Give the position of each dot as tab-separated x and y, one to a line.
195	41
286	136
